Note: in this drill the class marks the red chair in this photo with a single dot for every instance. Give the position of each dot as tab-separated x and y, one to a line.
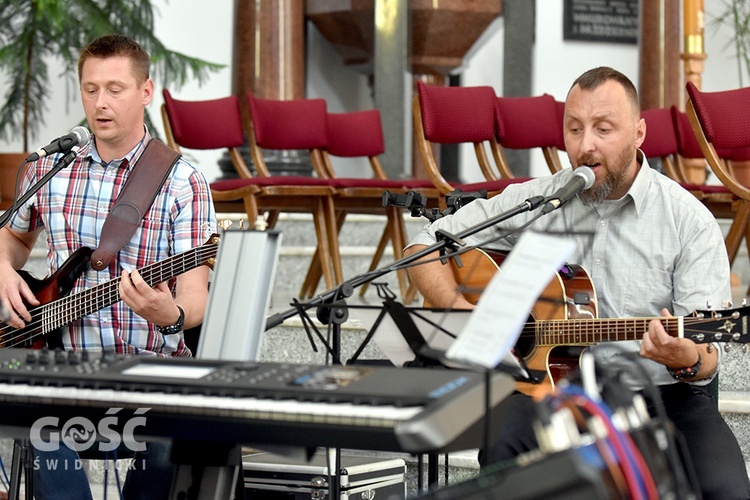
661	140
527	123
721	123
297	125
217	124
354	135
454	115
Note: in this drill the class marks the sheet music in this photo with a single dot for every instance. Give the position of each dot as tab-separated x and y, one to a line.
496	323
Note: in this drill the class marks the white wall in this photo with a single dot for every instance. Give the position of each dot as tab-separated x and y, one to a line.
189	26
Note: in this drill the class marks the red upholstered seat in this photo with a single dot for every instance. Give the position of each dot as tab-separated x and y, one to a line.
269	181
527	123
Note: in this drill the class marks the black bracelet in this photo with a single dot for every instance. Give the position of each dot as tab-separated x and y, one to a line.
176	328
687	372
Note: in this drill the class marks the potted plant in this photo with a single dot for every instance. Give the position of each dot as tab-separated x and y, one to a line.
33	32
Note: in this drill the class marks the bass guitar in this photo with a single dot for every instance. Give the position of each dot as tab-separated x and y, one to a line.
564	321
58	309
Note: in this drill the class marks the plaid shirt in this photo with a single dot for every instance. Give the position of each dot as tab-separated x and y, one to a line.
72	208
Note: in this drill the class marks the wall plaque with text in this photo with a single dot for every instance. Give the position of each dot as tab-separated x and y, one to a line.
613	21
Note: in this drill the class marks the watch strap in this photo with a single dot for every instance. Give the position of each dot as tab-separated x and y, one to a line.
175	328
687	372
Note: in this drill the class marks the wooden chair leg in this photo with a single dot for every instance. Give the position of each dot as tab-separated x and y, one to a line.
312	278
329	209
737	229
251	207
273	218
321	232
396	233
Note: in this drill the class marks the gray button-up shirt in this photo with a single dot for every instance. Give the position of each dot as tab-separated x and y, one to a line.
658	247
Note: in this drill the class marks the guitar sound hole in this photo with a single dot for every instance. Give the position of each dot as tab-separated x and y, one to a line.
525	343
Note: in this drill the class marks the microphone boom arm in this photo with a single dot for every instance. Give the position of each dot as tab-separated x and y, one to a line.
347	287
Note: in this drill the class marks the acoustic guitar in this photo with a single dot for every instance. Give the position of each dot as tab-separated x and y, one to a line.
58	309
563	321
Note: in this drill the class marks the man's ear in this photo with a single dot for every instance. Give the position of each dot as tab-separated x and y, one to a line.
640	132
148	92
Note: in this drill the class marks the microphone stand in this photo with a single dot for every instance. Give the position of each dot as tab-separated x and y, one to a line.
61	164
334	298
332	307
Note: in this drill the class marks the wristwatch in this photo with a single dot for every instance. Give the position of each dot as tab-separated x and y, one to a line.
176	328
687	372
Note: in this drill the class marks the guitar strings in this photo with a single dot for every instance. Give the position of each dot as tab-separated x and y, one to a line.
151	274
604	329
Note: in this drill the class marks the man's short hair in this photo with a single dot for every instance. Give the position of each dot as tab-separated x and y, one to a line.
117	45
591	79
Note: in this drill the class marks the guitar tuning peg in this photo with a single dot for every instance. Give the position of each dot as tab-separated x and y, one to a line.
225	224
710	348
727	347
716	314
727	304
709	305
744	302
743	349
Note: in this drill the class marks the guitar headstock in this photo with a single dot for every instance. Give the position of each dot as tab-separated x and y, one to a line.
213	241
728	325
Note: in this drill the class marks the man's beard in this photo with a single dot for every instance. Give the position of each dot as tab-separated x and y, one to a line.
614	178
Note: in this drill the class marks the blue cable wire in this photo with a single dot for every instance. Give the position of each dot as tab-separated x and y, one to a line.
626	444
5	474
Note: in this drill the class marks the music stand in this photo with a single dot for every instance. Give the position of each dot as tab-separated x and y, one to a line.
240	295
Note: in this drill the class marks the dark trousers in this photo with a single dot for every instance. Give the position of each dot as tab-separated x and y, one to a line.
711	445
58	475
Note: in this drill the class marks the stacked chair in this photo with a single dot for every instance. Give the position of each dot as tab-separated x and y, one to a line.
217	124
354	135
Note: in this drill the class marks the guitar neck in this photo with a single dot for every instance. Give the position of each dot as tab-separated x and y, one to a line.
595	331
72	307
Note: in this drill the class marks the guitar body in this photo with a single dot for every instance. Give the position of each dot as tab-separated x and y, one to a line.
52	288
569	295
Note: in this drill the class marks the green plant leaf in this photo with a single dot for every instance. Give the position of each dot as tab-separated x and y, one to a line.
34	32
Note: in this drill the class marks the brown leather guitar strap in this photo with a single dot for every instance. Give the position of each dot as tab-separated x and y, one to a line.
137	196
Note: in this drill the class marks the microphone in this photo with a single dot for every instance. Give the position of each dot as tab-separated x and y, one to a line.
77	137
582	179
